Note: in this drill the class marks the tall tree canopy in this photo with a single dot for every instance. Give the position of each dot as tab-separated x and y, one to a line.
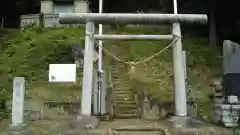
226	12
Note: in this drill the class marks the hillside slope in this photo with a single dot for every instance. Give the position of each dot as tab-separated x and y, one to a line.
203	65
29	52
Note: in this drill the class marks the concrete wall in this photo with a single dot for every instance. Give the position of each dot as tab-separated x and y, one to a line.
29	19
50	12
50	20
81	6
47	7
63	8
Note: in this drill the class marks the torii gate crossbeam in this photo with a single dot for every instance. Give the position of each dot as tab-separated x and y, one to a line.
111	18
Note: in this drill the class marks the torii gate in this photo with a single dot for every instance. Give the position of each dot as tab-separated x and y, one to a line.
109	18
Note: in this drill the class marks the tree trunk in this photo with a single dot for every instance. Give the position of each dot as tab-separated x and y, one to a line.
212	25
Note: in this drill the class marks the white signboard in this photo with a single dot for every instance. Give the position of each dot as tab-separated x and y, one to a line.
62	73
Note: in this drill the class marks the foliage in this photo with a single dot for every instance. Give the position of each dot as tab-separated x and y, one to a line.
29	53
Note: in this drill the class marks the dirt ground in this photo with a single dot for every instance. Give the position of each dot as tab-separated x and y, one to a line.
62	126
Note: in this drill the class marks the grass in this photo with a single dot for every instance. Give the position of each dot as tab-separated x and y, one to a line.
28	53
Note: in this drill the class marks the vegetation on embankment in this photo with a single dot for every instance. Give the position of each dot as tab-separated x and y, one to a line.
203	65
28	53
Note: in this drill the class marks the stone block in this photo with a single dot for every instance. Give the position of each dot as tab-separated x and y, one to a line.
32	110
85	122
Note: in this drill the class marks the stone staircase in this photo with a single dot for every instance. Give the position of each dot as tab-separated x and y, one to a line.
126	105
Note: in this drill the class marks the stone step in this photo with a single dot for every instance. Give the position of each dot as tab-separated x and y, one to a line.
126	102
121	70
127	116
122	91
120	99
126	99
123	85
127	106
218	94
218	100
117	81
128	111
117	67
123	95
118	71
118	64
123	82
120	77
121	88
